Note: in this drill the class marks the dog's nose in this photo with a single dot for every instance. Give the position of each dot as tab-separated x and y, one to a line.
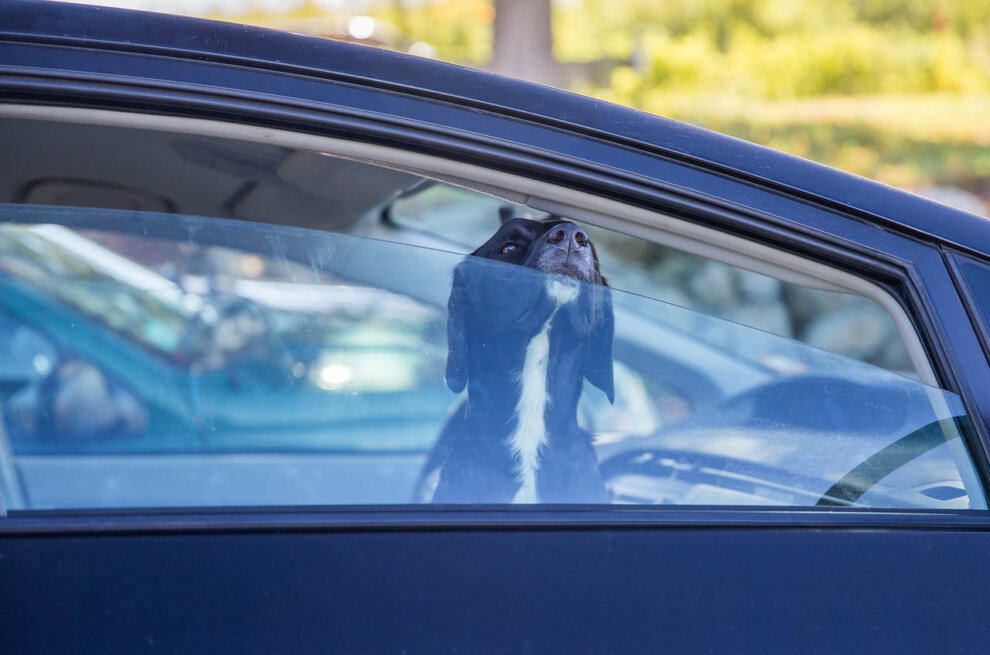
568	233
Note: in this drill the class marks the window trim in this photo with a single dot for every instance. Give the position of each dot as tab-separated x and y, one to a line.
415	518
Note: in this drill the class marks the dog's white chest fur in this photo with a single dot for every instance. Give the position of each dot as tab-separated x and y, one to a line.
530	435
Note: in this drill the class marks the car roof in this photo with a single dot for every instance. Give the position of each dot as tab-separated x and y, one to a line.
183	37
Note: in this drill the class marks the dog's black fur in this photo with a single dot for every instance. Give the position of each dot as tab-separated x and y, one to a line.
494	314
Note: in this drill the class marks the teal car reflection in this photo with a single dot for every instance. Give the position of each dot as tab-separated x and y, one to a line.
259	364
107	355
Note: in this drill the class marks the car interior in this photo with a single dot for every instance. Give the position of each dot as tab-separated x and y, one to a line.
716	397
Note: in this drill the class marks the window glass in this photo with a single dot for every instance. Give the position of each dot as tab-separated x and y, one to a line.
212	362
24	353
842	323
976	280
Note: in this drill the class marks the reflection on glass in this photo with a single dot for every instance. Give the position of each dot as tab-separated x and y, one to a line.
243	363
849	325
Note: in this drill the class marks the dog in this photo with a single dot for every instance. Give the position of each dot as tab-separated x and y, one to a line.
522	341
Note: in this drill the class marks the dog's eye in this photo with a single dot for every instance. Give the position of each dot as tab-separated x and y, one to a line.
509	247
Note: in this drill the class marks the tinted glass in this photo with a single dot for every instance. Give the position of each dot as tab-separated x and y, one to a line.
843	323
976	281
171	360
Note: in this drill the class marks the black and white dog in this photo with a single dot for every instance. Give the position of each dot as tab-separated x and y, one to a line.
522	343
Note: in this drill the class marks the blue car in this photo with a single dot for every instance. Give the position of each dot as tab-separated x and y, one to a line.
232	267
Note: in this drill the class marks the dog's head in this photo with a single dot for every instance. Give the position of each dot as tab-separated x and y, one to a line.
490	308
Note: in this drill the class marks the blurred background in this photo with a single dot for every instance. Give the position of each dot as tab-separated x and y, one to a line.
894	90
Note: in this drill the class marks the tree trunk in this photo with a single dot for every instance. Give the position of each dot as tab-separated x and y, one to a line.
524	41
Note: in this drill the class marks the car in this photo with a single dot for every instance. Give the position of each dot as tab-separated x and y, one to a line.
226	259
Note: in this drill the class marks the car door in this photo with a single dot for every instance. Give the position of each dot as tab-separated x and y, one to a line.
254	149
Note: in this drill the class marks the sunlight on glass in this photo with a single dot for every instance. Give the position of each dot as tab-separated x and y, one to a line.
334	376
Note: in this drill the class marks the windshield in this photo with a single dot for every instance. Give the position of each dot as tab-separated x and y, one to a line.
163	360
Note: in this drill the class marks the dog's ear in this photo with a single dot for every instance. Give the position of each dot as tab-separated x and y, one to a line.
601	336
456	375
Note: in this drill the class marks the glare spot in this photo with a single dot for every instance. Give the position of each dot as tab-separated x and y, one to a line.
421	49
252	266
42	364
361	27
783	364
209	314
191	302
334	376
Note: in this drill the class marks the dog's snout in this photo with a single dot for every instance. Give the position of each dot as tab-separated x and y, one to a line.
568	233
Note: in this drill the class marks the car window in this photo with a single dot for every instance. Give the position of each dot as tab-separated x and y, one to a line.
976	284
315	368
212	322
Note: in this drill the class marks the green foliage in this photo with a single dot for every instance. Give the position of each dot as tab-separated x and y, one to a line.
895	90
908	141
782	48
458	30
